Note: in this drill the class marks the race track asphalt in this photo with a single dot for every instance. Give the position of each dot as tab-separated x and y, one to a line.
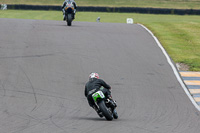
44	66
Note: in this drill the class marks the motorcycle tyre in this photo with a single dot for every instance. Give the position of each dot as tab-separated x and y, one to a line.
108	115
69	19
115	115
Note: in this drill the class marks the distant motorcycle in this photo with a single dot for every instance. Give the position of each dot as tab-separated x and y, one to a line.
69	12
105	105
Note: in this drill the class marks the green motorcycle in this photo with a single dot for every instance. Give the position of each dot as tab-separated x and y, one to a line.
105	105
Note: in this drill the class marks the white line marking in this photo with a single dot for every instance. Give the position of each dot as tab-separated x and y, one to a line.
173	68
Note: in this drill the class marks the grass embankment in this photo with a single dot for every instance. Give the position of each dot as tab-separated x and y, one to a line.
181	4
180	35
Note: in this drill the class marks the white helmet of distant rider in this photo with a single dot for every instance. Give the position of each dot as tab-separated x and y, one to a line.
94	75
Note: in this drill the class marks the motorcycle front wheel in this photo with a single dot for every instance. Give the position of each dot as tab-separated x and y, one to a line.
115	115
69	19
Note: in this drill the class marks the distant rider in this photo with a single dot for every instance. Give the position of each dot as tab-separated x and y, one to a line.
93	85
63	6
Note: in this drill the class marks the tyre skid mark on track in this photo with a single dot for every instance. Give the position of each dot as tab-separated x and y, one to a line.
23	127
48	120
26	121
31	86
92	130
68	124
55	114
28	56
44	121
40	95
56	124
11	96
3	87
144	129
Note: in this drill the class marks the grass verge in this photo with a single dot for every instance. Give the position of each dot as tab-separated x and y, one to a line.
179	35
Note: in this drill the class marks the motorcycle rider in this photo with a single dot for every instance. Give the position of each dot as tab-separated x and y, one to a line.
63	10
93	85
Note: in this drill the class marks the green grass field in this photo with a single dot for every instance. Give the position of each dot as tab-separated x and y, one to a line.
180	35
186	4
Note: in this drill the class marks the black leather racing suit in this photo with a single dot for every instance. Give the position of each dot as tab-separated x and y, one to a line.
64	4
93	86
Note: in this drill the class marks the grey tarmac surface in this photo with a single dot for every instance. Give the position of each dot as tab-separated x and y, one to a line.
44	66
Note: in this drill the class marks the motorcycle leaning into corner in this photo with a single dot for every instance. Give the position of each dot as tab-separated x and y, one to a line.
69	12
105	105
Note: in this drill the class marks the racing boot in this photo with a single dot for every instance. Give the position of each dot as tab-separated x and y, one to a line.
64	18
113	103
98	111
63	11
74	13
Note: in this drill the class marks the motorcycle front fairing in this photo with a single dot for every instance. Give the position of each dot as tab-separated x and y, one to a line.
69	8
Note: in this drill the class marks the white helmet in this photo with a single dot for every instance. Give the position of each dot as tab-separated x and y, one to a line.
94	75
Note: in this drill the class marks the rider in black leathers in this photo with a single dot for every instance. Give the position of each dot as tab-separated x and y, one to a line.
64	4
92	86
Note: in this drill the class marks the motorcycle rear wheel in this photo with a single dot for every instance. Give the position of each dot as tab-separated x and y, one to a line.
106	111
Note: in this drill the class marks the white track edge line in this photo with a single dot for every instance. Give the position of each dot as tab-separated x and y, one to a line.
173	68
